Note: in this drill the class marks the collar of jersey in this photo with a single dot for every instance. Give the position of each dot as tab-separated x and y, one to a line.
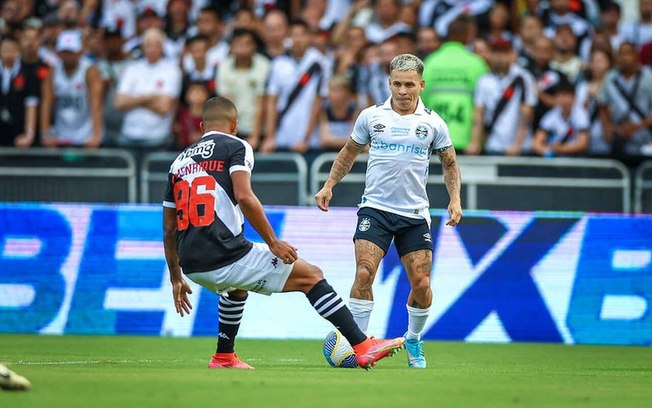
419	111
215	132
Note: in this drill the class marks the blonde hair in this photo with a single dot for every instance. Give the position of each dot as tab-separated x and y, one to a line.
154	34
406	62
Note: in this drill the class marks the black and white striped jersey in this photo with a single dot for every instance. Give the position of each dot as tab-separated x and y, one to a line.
209	221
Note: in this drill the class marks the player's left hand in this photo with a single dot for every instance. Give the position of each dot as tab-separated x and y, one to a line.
180	292
455	213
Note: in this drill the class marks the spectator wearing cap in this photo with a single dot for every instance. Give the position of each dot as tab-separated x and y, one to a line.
71	112
210	26
564	130
504	101
148	93
148	18
242	78
112	68
18	97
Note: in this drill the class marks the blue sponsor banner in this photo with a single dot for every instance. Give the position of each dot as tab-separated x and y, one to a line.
497	277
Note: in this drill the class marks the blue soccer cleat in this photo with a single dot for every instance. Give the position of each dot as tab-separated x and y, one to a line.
414	348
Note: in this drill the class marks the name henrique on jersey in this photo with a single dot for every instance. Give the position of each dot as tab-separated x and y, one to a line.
209	221
399	157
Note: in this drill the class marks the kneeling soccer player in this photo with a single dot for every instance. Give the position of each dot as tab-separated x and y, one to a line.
208	193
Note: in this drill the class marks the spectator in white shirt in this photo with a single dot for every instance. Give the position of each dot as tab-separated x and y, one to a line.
148	93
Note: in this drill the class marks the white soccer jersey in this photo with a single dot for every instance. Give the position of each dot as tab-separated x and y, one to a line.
489	91
562	129
73	122
399	157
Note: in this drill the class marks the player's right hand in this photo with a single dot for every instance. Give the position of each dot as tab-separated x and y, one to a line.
323	198
284	251
180	292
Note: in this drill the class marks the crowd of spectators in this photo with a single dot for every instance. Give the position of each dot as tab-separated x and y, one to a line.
525	77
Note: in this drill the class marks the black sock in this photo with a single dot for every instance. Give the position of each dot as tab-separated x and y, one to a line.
230	312
331	307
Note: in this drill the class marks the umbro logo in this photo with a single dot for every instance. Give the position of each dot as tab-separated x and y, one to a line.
379	127
275	262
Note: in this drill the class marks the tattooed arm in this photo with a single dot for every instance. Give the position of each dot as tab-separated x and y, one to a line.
453	181
341	167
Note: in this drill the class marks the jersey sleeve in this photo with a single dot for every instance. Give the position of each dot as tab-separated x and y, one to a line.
243	159
581	119
547	123
360	133
168	198
442	139
274	82
530	92
479	100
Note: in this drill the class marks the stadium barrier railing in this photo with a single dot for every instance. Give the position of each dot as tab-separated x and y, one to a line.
67	175
643	188
508	183
278	179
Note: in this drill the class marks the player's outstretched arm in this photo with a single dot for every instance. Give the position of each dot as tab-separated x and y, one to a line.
341	167
453	181
180	288
253	210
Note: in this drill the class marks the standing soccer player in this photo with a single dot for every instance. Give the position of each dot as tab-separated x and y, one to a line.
402	134
208	192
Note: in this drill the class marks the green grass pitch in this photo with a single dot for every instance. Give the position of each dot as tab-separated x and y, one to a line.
80	371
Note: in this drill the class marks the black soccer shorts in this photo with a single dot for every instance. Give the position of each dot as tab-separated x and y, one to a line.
380	227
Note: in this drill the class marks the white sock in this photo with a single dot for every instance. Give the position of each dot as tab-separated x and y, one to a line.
361	310
416	321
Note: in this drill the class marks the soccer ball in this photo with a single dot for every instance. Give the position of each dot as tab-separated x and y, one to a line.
338	351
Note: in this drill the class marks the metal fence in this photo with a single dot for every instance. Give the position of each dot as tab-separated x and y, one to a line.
643	189
278	179
500	183
508	183
67	175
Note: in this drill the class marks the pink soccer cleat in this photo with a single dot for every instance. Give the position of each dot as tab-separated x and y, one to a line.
228	360
371	350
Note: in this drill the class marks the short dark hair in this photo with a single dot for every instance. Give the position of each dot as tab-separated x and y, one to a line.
243	32
219	109
610	6
211	10
9	38
565	86
198	37
299	23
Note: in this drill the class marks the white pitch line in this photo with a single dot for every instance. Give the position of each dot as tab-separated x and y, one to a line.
81	362
141	361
